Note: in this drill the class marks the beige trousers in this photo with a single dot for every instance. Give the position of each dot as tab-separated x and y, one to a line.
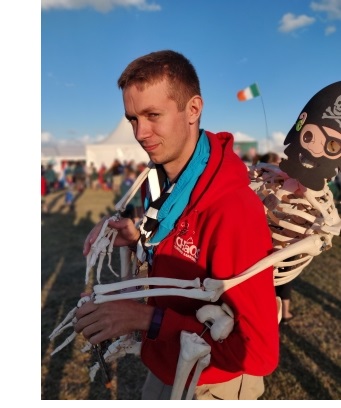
244	387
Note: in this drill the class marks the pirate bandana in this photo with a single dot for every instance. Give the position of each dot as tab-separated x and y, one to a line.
314	142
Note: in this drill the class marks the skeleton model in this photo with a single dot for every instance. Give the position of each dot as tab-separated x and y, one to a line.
301	216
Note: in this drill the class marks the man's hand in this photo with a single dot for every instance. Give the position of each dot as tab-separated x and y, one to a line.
104	321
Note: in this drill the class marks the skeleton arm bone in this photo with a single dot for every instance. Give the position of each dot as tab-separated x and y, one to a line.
212	288
180	283
311	245
121	205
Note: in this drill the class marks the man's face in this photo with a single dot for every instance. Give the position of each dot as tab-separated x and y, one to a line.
162	131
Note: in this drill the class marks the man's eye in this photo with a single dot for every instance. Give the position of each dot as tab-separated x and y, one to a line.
333	146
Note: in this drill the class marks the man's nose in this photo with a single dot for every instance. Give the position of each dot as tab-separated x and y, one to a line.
142	130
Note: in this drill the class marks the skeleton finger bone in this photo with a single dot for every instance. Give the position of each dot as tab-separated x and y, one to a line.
100	245
65	343
63	325
102	241
68	317
60	327
109	252
96	249
124	345
192	347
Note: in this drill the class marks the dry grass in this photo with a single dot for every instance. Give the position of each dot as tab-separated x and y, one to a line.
310	362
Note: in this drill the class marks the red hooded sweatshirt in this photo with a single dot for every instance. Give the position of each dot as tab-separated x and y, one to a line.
222	232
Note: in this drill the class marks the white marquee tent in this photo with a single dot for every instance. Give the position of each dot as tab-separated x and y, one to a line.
120	144
59	153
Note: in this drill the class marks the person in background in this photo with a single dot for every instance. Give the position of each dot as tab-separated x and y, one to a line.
116	171
51	178
79	175
205	202
69	175
128	179
270	157
101	177
93	177
44	191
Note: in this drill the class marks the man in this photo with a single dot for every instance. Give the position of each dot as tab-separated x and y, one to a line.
208	223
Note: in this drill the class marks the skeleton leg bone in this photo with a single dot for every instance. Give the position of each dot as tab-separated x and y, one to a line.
202	363
192	347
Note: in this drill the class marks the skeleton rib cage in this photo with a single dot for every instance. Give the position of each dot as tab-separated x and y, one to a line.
302	223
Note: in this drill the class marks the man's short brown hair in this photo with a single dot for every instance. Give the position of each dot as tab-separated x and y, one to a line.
152	68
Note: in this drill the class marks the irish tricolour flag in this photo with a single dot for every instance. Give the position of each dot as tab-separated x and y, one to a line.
248	93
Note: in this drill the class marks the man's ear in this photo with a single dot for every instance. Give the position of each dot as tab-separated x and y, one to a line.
194	108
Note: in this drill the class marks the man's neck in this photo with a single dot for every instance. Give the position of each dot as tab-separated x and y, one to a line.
175	168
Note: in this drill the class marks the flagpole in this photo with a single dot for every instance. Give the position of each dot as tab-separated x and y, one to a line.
251	92
266	122
266	126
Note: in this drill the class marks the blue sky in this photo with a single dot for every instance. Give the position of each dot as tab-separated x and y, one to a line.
290	48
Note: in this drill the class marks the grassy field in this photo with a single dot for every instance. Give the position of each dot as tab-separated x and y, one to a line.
310	357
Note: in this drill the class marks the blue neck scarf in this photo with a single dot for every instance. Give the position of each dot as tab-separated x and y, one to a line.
175	204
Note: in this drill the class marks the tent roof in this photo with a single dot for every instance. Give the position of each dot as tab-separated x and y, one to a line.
62	150
123	134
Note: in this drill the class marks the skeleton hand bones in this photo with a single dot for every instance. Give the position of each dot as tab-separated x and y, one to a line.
113	231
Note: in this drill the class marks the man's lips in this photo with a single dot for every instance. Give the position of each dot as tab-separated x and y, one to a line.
150	148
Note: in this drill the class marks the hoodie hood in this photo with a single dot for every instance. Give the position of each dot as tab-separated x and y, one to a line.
222	162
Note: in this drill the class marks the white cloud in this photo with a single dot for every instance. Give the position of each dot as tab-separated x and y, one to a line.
331	7
330	30
46	137
290	22
99	5
87	139
242	137
275	143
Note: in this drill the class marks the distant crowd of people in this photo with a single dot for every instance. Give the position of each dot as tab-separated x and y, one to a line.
76	176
